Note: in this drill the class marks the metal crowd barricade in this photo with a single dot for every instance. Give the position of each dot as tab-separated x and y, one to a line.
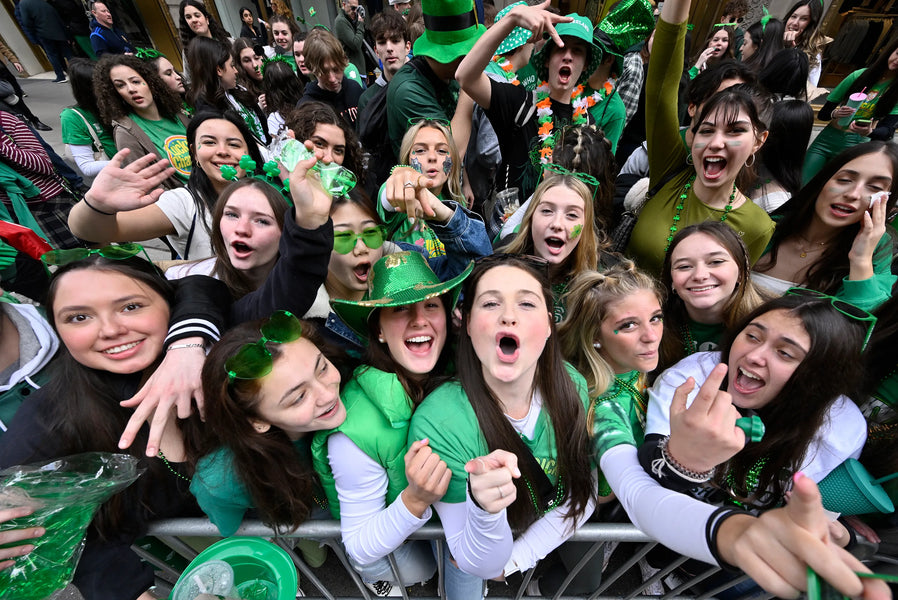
171	532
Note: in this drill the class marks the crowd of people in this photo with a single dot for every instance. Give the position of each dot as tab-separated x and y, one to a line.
561	264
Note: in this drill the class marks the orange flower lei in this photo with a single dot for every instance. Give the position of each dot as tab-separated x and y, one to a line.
506	66
546	122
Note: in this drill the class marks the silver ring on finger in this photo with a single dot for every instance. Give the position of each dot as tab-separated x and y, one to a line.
409	184
501	493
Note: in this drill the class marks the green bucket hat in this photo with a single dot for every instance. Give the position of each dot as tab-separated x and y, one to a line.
518	36
629	23
396	280
450	29
580	28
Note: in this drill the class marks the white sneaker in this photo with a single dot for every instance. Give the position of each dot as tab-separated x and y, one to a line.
384	589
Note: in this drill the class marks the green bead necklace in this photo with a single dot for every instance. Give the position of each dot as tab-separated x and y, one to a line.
681	203
637	394
554	503
689	345
168	465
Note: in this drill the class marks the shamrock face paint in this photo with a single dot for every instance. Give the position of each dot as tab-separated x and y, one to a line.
416	165
575	232
447	165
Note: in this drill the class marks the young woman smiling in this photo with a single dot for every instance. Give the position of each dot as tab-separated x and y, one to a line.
112	316
701	180
777	363
379	489
195	21
803	32
708	278
143	113
268	384
124	205
514	423
834	238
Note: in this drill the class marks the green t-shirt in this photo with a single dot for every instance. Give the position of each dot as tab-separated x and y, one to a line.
705	338
618	417
527	77
609	113
76	133
169	136
447	419
865	110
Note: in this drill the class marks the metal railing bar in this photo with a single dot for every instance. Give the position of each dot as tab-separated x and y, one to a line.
691	582
577	568
725	586
623	569
178	545
165	571
303	567
658	576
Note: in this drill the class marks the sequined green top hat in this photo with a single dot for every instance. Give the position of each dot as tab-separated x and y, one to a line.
518	36
395	280
581	29
450	30
629	23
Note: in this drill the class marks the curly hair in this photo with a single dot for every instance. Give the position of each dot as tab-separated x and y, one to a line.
186	33
306	118
111	104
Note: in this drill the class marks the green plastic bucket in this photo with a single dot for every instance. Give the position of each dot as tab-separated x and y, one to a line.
262	570
851	490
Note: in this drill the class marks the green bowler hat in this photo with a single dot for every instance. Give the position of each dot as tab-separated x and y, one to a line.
518	36
396	280
580	28
629	23
450	29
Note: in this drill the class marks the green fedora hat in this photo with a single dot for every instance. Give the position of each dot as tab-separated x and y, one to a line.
450	29
580	28
395	280
629	23
518	36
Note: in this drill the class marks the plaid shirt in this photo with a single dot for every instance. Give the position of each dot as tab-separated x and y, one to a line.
629	84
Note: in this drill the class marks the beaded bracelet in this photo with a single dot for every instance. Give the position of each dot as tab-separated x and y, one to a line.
399	167
95	209
679	469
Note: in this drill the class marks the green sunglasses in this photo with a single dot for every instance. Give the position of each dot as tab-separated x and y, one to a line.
373	237
846	308
113	252
253	361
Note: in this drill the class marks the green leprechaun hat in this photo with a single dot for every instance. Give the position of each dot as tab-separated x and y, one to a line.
629	23
580	28
518	36
450	29
395	280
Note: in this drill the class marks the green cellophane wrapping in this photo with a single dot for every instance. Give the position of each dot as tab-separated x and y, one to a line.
65	494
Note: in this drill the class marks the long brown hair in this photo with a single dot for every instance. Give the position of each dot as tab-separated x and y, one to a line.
744	299
282	485
87	416
111	104
237	281
794	417
560	400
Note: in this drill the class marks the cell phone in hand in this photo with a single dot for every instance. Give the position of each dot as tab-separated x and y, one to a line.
863	122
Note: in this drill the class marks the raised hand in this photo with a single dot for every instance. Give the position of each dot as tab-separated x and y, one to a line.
312	203
776	548
539	21
428	478
704	435
175	383
706	54
492	480
873	227
408	191
134	186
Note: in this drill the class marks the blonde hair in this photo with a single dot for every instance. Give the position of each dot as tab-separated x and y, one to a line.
453	180
321	46
588	298
585	255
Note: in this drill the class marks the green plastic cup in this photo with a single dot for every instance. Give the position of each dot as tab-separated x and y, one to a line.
851	490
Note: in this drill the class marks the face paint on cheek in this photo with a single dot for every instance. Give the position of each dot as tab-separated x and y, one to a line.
447	165
616	331
416	165
733	143
699	145
575	232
